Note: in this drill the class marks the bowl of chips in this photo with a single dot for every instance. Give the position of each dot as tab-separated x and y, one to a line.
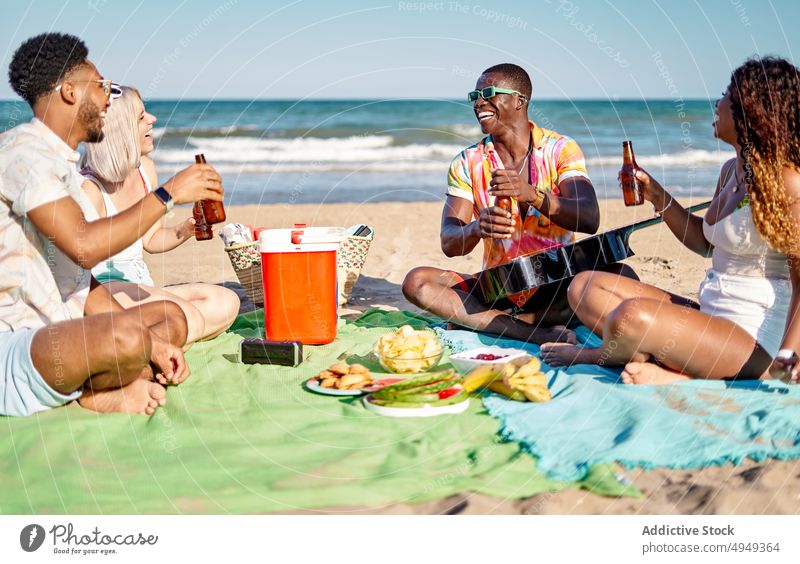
408	351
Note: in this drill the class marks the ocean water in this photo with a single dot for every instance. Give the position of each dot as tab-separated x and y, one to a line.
271	151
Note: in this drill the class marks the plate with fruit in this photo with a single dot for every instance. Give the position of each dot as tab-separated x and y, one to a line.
426	395
342	379
521	379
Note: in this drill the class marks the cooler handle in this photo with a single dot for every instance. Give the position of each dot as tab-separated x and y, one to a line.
297	235
300	236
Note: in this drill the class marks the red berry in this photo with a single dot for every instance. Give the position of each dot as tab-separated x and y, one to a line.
489	356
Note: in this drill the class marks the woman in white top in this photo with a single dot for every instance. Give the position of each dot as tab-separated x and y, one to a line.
118	174
751	295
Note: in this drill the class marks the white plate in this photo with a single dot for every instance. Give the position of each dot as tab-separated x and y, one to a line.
465	363
415	411
314	386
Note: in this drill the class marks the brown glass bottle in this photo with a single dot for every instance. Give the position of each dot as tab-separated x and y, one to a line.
504	203
631	187
632	193
206	212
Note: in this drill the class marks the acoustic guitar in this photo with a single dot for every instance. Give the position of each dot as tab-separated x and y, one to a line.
561	263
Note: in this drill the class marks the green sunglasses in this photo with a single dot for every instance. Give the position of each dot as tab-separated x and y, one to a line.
491	92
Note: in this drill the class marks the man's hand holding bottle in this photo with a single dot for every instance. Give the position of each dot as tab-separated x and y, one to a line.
194	183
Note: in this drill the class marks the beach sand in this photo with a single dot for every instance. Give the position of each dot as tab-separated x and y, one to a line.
407	235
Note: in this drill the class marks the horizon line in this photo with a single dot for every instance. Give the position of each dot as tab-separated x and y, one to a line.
386	99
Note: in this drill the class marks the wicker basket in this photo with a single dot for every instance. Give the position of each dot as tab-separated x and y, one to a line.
350	260
246	262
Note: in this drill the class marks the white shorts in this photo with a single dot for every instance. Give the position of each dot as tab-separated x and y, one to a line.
134	271
23	391
757	305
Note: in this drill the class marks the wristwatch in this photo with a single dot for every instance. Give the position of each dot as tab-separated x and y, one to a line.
165	197
541	194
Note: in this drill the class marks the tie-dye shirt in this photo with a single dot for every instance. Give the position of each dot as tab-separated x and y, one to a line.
554	159
39	284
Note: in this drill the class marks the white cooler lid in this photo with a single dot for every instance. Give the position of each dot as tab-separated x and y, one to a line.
300	240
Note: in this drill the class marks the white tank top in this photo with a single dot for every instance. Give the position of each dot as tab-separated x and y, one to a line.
130	256
739	248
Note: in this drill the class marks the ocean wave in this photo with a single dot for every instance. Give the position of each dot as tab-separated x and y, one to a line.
459	132
251	155
312	168
282	144
182	132
681	159
465	130
356	150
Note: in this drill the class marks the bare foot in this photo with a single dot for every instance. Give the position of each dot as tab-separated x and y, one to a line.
565	354
649	373
554	334
140	397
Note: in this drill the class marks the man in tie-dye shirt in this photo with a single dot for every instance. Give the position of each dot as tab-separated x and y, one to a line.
545	176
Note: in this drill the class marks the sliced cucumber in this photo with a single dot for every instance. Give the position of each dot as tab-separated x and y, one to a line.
389	392
458	398
438	386
421	380
407	398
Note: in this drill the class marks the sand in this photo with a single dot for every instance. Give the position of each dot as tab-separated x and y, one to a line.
407	235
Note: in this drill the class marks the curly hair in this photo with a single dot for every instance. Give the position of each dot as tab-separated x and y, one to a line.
42	61
765	99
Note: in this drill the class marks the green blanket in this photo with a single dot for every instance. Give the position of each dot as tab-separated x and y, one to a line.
247	439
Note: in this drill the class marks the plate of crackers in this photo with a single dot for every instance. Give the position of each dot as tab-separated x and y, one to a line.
343	379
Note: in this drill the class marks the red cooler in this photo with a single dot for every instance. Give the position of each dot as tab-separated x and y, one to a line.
299	271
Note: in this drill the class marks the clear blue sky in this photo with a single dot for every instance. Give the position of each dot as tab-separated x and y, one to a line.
349	49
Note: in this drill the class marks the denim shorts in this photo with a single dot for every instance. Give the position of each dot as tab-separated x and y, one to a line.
23	391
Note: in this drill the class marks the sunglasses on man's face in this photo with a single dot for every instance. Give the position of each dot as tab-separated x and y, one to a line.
110	89
491	92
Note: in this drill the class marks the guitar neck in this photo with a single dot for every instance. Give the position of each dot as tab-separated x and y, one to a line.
555	264
654	220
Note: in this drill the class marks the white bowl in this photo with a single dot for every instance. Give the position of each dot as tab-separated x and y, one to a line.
465	361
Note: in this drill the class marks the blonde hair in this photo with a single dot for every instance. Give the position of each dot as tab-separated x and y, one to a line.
120	150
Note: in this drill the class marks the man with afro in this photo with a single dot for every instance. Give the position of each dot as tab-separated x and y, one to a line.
62	335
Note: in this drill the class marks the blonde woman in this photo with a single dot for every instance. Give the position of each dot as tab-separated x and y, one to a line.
118	174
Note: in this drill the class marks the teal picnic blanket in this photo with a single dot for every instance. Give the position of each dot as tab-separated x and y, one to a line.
238	438
594	419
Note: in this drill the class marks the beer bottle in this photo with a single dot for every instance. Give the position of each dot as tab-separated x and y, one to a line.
206	212
503	202
631	187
